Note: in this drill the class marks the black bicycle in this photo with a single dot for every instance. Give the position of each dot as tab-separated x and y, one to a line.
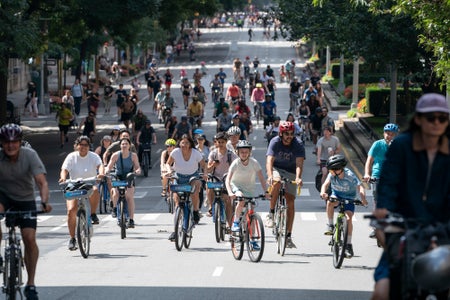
146	157
13	264
218	207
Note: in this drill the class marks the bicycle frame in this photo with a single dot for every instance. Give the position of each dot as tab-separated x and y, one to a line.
218	207
105	196
122	206
184	217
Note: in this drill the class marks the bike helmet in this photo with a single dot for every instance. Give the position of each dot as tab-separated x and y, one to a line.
336	162
259	85
243	144
286	126
198	131
234	130
170	142
391	127
221	136
11	132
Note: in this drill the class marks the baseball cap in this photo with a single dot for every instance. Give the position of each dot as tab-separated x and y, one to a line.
117	127
432	102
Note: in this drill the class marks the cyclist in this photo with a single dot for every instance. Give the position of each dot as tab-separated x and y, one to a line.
124	133
90	124
414	178
218	108
285	156
344	184
257	97
224	120
295	94
186	90
170	145
124	162
241	181
219	160
145	137
195	112
375	159
327	146
20	169
216	86
186	160
234	132
237	64
222	75
269	110
236	121
104	144
81	163
234	93
182	128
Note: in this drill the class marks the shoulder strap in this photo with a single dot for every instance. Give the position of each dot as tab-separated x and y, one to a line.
229	157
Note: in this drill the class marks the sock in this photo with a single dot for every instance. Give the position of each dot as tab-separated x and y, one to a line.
272	211
330	221
349	239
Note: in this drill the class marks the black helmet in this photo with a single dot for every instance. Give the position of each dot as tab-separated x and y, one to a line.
11	132
336	162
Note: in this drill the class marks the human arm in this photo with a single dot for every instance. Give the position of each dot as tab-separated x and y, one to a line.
362	195
138	136
111	163
228	185
136	165
299	170
324	188
42	184
154	137
269	168
262	181
368	168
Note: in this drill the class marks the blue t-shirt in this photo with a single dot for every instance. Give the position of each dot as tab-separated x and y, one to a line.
285	156
345	188
268	107
378	152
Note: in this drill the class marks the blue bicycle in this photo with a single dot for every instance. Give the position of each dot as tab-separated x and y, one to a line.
218	207
122	205
105	196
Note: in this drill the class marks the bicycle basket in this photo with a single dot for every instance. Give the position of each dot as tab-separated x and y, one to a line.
214	185
180	188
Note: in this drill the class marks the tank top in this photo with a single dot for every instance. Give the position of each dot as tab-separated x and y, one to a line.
303	111
124	166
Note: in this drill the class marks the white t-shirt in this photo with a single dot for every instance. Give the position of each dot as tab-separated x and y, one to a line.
82	167
186	167
244	177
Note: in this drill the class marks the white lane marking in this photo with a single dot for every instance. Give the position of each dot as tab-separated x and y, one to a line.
308	216
139	195
58	227
43	218
150	217
217	271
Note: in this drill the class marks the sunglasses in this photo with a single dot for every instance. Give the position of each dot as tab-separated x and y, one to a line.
430	117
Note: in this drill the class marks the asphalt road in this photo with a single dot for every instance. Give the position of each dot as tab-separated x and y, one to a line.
147	266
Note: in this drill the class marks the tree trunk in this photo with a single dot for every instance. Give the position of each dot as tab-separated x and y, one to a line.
393	100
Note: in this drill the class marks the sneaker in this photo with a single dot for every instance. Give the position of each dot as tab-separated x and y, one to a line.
163	193
114	212
95	219
209	213
255	245
290	243
349	251
329	230
196	217
373	234
130	223
72	244
269	220
31	293
172	237
235	227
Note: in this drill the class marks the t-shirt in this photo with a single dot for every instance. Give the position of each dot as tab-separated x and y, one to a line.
285	156
324	143
378	152
184	167
345	188
223	166
17	178
195	110
269	107
81	167
244	177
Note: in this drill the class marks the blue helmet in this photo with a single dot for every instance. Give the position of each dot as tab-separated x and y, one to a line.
391	127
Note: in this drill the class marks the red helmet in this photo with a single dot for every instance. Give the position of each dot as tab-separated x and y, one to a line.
286	126
11	132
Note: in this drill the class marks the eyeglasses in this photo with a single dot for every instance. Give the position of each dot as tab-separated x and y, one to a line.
83	144
430	117
288	133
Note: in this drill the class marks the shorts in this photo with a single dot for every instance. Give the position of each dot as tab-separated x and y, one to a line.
126	116
347	206
64	128
184	179
119	102
20	206
291	188
186	93
382	269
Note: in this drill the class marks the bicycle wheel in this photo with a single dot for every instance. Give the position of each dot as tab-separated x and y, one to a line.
255	233
145	163
122	219
223	222
187	234
282	231
216	220
83	233
340	240
179	214
170	203
105	207
237	242
11	275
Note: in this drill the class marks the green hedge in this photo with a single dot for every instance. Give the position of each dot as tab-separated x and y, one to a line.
378	100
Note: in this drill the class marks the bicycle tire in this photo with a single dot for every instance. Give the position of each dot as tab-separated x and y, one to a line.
223	222
340	240
282	231
255	230
83	233
101	192
11	274
179	228
145	163
105	206
216	220
187	234
237	242
122	219
170	203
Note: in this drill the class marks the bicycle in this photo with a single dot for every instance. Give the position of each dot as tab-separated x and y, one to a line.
251	230
257	110
13	264
184	215
293	102
122	205
339	236
169	194
218	207
81	190
280	218
105	197
146	157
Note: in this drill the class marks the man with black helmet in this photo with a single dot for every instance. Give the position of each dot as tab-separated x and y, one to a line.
20	168
344	185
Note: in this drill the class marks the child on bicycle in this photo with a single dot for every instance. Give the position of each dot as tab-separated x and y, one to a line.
241	180
344	185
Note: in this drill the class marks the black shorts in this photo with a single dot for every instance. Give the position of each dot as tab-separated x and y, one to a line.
186	93
64	128
20	206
